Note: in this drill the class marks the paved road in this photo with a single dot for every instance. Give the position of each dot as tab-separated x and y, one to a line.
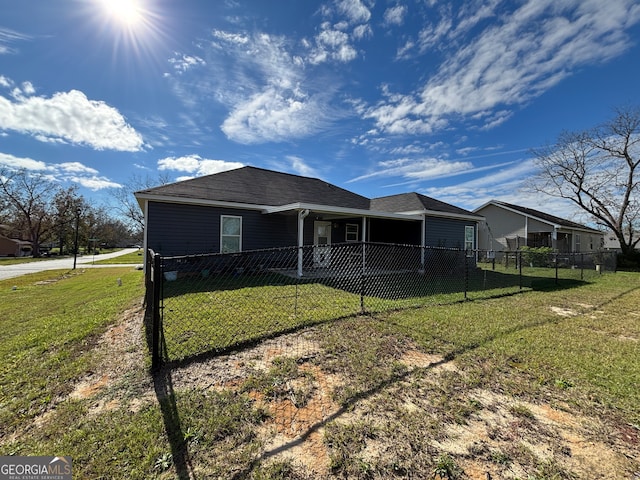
11	271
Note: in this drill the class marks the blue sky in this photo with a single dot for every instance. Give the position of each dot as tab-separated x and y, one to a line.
379	97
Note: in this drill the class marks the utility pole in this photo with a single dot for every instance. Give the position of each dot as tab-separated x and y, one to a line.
75	243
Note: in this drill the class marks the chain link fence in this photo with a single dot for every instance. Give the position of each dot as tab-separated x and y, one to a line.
211	303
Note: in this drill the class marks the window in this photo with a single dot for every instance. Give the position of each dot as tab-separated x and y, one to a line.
352	232
230	234
577	243
469	237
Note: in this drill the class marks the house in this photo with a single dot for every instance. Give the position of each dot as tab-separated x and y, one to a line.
252	208
10	247
508	227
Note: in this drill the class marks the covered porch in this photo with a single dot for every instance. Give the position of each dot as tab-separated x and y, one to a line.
322	226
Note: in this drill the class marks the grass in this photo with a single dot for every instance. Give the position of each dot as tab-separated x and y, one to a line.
19	260
218	312
47	325
594	349
128	258
395	420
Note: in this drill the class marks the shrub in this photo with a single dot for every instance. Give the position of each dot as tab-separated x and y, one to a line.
536	257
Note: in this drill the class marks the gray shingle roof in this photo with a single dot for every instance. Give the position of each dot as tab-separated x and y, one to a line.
544	216
412	202
258	186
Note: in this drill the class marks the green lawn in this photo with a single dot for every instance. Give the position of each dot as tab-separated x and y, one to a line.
516	344
47	325
132	258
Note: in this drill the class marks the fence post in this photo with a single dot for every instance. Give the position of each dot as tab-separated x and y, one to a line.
519	260
155	309
556	262
466	273
582	266
362	277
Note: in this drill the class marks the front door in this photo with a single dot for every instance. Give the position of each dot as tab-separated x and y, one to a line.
322	244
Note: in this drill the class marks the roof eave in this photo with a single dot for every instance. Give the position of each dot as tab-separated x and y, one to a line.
360	212
557	226
436	213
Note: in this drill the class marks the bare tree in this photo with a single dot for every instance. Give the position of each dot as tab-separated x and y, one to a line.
597	171
28	200
126	203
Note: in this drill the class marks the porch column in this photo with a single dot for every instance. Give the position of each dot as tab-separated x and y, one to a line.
302	214
364	239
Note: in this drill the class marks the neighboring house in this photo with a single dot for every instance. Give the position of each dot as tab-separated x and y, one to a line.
252	208
10	247
509	227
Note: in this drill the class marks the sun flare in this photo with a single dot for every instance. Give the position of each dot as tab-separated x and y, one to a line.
127	12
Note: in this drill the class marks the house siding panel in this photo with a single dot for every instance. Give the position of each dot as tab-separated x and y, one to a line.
445	232
502	224
178	229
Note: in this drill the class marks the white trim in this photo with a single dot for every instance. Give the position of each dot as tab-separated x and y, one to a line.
199	201
222	217
435	213
357	232
302	214
360	212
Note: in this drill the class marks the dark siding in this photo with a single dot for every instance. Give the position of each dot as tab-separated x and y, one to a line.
175	229
395	231
445	232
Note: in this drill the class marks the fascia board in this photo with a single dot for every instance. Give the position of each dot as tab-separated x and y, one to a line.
340	211
435	213
199	201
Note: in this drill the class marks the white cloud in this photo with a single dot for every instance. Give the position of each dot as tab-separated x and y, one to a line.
300	167
505	182
395	15
509	62
270	116
19	163
60	172
354	10
197	165
416	169
181	62
9	37
333	44
75	167
70	117
263	87
95	183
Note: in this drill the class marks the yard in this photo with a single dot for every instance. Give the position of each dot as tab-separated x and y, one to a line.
542	384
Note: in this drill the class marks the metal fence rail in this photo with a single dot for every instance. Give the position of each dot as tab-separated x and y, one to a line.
204	304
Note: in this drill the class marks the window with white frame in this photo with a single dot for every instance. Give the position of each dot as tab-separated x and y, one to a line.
352	232
230	234
469	237
577	242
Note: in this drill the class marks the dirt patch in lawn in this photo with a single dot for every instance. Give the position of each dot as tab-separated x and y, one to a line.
377	409
118	379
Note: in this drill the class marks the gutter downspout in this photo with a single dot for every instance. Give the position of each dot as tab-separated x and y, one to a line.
302	214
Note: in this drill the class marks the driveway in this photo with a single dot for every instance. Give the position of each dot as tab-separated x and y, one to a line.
11	271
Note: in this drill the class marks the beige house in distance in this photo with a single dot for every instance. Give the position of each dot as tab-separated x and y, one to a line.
508	227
